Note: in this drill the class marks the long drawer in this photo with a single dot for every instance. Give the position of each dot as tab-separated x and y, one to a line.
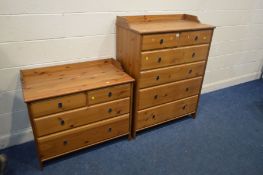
165	112
167	40
157	95
70	140
71	119
169	74
57	104
174	56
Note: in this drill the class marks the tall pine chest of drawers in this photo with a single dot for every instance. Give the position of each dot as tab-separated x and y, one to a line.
78	105
167	56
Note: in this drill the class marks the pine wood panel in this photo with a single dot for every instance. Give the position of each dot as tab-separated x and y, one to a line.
58	104
65	79
175	39
145	24
174	56
108	94
66	141
168	92
166	112
169	74
129	57
82	116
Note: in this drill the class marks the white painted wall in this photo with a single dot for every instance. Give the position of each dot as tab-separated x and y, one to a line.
46	32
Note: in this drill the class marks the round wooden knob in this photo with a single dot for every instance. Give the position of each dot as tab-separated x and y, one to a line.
156	96
60	105
109	94
193	55
161	41
62	122
65	142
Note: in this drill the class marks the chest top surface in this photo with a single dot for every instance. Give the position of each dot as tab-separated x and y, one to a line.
161	23
41	83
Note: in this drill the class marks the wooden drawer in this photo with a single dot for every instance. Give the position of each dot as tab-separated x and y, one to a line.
169	92
170	74
57	104
108	94
82	116
195	37
167	40
70	140
169	57
165	112
160	41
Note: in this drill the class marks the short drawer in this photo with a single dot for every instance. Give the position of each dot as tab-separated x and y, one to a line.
67	141
160	41
169	74
165	112
157	95
82	116
195	37
57	104
169	57
175	39
108	94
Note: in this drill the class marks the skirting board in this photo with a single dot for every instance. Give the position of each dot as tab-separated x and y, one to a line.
19	137
230	82
26	134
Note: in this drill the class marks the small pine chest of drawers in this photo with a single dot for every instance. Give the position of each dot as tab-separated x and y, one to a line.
167	56
74	106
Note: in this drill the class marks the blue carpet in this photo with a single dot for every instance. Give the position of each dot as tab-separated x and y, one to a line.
225	138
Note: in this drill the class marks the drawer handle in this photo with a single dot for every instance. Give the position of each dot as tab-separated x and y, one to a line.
109	129
62	122
65	142
60	105
193	55
161	41
190	71
109	94
186	89
158	77
156	96
159	59
153	116
196	38
184	107
109	110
